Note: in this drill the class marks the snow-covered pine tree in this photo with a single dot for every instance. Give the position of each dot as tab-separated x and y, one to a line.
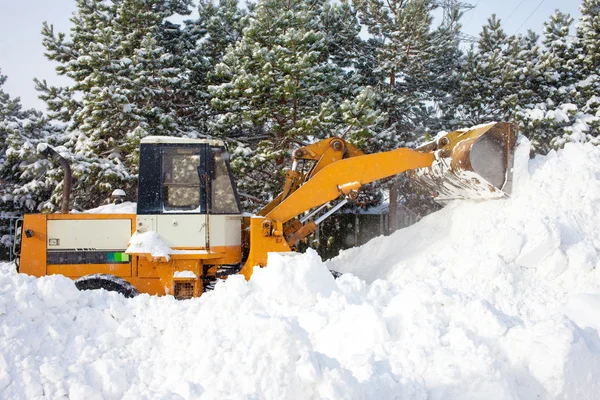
588	33
414	67
339	23
26	180
485	78
223	24
280	88
558	59
125	86
524	76
360	118
443	77
569	109
401	40
550	112
587	63
204	42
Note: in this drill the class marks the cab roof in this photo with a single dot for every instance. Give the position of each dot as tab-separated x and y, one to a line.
180	140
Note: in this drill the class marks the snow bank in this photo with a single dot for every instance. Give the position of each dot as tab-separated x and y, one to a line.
148	242
508	288
126	207
493	300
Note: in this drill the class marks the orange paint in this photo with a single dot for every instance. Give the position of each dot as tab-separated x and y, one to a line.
339	169
78	270
34	247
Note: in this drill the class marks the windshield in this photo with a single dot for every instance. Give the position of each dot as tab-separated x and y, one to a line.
181	184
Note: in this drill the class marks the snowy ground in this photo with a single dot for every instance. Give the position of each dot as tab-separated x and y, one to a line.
493	300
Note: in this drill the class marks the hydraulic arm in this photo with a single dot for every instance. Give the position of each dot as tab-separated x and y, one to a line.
464	164
188	229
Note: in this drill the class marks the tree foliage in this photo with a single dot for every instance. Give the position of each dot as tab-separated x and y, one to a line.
284	73
282	86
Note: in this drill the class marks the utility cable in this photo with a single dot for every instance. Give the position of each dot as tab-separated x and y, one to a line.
513	11
473	13
530	15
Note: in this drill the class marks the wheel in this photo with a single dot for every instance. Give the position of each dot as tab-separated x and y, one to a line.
107	282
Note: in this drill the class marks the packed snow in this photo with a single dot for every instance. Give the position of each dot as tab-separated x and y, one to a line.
151	243
489	300
148	243
126	207
185	274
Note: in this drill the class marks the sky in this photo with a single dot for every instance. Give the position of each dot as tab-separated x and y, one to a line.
22	54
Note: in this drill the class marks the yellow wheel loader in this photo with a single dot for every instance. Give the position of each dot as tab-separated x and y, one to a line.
187	201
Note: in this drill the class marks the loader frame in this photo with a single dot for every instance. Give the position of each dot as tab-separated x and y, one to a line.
336	172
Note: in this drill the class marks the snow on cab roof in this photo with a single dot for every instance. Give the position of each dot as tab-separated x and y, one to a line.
181	140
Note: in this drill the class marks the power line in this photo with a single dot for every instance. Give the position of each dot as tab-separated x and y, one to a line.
516	8
530	15
473	13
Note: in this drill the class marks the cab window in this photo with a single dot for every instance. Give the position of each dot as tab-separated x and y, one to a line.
181	183
223	200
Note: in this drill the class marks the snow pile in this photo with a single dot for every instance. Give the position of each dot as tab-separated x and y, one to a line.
493	300
490	293
151	243
148	243
185	274
126	207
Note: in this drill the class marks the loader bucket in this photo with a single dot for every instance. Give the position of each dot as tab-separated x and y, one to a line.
470	164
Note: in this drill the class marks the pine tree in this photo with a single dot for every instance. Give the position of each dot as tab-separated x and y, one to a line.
403	49
223	24
341	28
587	62
20	130
443	78
570	105
206	40
486	83
414	66
588	32
551	112
27	182
280	88
126	85
557	62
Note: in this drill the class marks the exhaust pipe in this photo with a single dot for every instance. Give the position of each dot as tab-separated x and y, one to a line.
51	154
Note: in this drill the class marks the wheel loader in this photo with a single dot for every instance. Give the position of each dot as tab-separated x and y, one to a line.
188	204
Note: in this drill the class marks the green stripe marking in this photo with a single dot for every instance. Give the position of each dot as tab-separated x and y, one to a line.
117	257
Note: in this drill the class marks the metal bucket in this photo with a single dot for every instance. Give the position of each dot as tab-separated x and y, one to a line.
470	164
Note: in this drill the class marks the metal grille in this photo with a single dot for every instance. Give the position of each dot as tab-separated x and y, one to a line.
184	290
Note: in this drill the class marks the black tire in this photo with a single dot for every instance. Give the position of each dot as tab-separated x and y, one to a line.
107	282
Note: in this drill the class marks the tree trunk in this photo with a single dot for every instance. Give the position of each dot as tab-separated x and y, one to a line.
393	209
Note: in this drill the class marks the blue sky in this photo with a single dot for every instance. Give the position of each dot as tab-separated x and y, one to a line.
22	59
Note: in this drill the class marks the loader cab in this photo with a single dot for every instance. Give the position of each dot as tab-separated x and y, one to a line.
186	190
185	176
